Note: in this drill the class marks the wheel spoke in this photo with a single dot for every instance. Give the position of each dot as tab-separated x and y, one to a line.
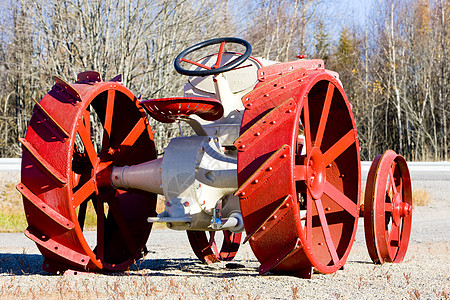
84	192
308	217
324	116
196	64
392	182
108	121
337	149
388	207
306	126
299	172
88	146
326	231
219	55
132	136
394	237
122	224
212	242
341	199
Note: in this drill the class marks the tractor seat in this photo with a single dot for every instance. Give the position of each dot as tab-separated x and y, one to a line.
167	110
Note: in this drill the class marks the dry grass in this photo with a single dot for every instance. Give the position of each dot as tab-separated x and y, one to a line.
12	216
420	197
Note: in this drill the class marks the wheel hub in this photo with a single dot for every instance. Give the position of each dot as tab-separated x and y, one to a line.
315	173
400	209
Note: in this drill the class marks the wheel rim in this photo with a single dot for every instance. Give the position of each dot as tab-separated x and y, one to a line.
205	248
111	112
331	186
388	208
303	215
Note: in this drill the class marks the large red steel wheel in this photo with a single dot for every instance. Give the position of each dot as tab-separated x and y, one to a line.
300	206
207	250
64	170
388	208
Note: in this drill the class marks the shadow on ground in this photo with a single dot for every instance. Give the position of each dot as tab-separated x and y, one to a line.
31	264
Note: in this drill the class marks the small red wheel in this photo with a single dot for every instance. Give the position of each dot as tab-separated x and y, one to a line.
388	208
206	249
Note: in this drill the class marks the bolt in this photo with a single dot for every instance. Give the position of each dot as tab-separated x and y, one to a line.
255	181
257	134
272	122
269	169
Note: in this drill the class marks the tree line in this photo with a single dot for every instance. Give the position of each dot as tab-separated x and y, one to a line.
393	66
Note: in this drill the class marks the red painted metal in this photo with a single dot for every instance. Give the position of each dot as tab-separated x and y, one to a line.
62	169
167	110
324	183
388	208
206	248
271	72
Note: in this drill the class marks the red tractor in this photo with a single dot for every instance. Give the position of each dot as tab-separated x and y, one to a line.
275	154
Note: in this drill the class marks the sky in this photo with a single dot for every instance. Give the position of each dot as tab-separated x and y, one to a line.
352	12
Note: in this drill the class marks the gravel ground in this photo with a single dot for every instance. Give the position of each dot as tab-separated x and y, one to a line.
170	270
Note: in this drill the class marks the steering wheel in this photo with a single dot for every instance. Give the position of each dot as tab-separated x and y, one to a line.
216	69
